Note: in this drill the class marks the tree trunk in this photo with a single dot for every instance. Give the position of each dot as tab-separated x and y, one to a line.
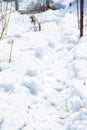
16	5
0	5
81	17
48	3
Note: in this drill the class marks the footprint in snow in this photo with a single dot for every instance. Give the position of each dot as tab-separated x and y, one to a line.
10	41
17	35
1	123
31	72
1	69
31	86
6	87
39	53
51	45
59	89
22	127
4	66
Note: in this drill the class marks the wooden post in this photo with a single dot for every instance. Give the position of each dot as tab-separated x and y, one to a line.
81	17
77	13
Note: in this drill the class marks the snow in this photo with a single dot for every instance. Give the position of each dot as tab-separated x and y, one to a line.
32	4
44	87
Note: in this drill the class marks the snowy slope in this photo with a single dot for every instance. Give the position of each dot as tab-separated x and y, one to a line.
42	87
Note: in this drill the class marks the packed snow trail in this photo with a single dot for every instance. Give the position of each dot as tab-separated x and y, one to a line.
34	87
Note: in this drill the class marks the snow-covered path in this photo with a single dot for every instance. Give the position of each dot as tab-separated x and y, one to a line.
34	87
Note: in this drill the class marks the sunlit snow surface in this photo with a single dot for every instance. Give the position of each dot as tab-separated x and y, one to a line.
45	85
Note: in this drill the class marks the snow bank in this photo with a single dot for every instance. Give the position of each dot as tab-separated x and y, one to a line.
31	4
77	100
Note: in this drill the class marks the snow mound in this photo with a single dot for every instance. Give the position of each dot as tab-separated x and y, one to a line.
77	105
77	121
